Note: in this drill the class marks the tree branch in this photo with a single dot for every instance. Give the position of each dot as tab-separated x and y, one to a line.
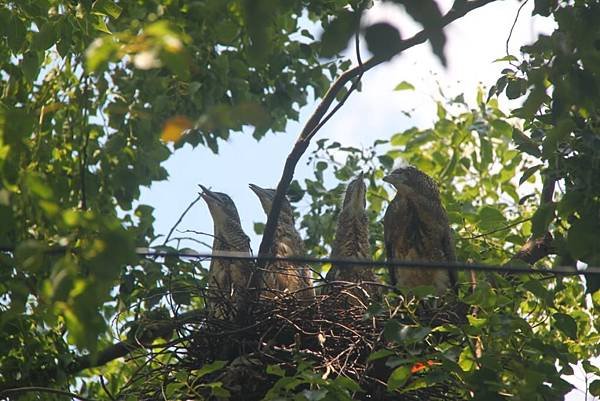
43	390
313	124
187	209
123	348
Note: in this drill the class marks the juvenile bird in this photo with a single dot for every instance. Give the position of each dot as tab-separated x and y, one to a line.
227	278
283	275
352	242
416	228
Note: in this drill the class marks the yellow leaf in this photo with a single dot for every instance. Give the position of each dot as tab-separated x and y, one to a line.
174	128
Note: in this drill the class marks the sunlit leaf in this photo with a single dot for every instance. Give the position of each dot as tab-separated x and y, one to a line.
402	86
174	128
566	324
398	378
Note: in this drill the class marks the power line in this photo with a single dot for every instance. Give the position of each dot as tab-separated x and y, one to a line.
557	271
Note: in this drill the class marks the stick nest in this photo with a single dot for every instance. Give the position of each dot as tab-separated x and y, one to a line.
244	354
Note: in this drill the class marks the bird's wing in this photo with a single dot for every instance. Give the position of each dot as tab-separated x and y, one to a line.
388	239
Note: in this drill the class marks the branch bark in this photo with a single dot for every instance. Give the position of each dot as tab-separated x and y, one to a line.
123	348
314	123
35	389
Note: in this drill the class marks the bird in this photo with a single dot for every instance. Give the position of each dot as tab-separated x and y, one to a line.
352	242
416	228
227	279
284	276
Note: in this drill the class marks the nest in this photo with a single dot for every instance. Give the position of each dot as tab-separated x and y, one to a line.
243	355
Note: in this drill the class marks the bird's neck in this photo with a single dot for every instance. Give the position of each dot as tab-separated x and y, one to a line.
352	236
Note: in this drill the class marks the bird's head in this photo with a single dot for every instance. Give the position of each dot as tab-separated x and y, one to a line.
220	205
266	196
355	199
413	179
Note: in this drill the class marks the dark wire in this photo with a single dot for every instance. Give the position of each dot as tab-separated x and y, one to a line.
558	271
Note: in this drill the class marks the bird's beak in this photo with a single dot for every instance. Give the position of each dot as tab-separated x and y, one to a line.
394	178
260	192
208	195
264	197
357	193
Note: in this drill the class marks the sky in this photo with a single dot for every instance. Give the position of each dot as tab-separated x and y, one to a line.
473	43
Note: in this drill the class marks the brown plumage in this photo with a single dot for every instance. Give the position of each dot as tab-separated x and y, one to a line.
283	276
352	242
416	228
227	278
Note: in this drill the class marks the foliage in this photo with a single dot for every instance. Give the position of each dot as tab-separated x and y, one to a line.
560	77
86	86
525	325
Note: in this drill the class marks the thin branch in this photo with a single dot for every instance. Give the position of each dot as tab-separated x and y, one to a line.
512	28
106	390
313	123
35	389
123	348
485	234
181	218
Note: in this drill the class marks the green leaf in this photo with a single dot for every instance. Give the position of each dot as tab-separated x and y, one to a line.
226	32
295	192
541	219
107	7
583	238
466	361
529	172
259	228
210	368
391	330
100	53
595	388
543	7
525	144
490	218
516	88
505	58
321	165
413	334
275	370
100	25
337	34
566	324
403	86
382	353
386	161
537	289
45	38
15	33
218	390
347	383
30	65
315	395
398	378
428	14
30	255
